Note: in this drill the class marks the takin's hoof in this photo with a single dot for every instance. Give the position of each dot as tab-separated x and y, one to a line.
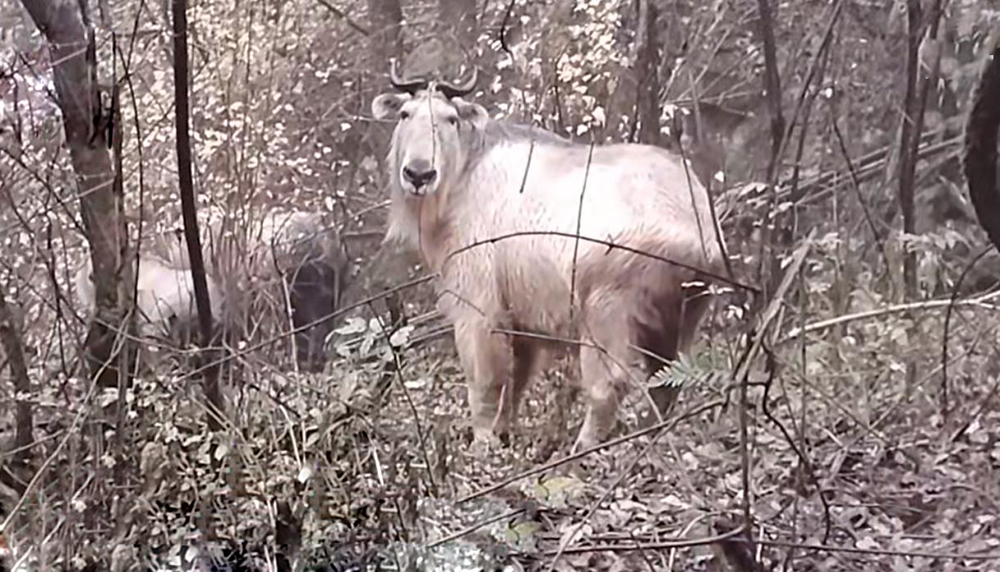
584	442
484	443
591	436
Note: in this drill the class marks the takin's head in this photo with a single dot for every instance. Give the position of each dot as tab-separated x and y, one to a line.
434	132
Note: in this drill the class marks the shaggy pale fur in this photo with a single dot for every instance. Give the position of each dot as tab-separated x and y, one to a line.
245	263
260	262
165	296
493	180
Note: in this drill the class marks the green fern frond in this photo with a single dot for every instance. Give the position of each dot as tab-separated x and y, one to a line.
684	373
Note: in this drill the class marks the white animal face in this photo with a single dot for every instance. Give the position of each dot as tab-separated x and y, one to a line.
429	146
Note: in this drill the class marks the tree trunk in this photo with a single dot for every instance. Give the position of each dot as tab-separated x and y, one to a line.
647	78
772	86
633	100
66	27
384	43
386	18
776	237
907	159
914	104
210	371
10	338
980	161
459	17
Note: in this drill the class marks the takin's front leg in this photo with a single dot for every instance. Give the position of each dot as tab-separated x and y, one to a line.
605	369
604	377
487	359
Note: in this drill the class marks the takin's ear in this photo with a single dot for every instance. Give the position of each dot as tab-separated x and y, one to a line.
472	112
387	105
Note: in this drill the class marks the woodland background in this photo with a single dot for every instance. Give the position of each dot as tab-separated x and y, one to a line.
861	434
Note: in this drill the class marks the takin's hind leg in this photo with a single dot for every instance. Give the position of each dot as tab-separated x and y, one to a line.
680	315
697	299
526	354
662	341
487	360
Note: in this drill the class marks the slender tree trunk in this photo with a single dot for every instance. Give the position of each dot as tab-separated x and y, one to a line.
776	237
384	44
188	211
772	87
914	103
386	18
635	93
908	161
10	338
647	78
769	273
65	25
917	89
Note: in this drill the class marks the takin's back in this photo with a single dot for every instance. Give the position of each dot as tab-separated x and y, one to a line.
638	197
632	195
164	295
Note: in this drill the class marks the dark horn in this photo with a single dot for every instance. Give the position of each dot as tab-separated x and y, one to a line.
410	87
466	88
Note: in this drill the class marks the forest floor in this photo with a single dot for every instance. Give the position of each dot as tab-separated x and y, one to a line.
884	486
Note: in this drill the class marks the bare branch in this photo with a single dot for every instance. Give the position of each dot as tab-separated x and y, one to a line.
345	17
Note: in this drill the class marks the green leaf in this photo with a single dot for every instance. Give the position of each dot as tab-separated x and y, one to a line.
683	372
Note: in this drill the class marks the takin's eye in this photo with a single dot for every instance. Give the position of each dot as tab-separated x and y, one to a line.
453	121
404	115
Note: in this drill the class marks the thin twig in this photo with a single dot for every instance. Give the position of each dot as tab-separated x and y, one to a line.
650	546
398	371
579	222
474	527
611	245
896	309
882	551
503	29
345	17
856	186
607	493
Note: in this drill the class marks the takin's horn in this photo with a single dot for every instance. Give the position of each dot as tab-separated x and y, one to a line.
410	87
450	91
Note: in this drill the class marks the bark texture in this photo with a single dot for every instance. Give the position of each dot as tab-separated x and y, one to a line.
386	18
647	77
210	372
772	86
384	44
66	27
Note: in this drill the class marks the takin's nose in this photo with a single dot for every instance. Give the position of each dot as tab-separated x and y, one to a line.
419	174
